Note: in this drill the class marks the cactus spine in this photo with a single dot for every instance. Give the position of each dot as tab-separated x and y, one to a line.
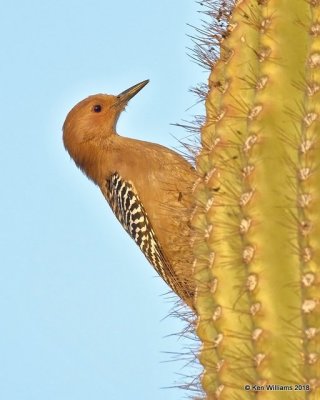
257	224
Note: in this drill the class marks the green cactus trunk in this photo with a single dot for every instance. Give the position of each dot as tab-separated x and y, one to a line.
257	224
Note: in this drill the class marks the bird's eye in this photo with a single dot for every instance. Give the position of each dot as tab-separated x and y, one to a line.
97	108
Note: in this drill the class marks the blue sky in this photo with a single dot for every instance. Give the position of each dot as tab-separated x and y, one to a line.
82	312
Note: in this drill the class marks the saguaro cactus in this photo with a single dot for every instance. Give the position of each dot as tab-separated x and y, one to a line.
257	224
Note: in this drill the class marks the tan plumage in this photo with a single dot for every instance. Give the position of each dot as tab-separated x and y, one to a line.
147	185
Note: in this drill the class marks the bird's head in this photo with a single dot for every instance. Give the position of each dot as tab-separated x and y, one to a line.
95	117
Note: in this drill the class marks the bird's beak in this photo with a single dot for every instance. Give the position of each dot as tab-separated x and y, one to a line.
126	95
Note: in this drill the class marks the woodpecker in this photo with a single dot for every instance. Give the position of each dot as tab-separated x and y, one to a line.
147	186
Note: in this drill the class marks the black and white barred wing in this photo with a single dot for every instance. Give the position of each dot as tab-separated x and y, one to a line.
126	205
